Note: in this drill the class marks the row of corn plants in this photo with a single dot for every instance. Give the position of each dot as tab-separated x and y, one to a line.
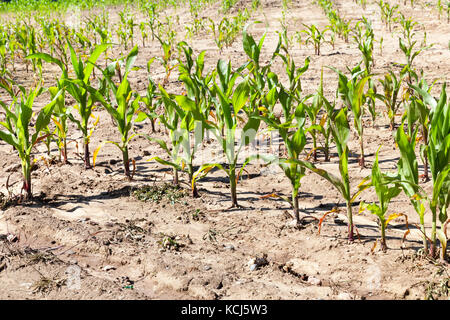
231	104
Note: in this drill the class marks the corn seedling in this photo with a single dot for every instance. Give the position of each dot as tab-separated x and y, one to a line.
387	13
438	151
340	130
316	36
229	104
391	88
365	43
351	91
294	141
80	89
192	110
16	127
60	116
151	99
123	109
408	173
386	190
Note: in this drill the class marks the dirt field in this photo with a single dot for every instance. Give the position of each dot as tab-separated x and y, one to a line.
175	247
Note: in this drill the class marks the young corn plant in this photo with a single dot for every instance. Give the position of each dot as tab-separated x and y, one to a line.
167	57
125	29
291	128
316	36
313	113
365	43
352	94
171	120
229	105
325	126
387	13
409	48
144	33
80	89
340	130
151	99
438	151
17	126
391	99
386	190
123	109
193	110
322	125
419	111
408	173
60	116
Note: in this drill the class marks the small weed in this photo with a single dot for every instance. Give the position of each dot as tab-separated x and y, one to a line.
45	257
170	243
197	215
210	235
440	288
45	285
131	231
158	193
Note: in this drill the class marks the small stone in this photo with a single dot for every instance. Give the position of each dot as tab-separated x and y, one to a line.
229	247
253	267
291	224
11	238
314	281
108	268
207	268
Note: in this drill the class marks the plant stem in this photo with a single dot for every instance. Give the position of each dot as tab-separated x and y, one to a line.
392	123
315	148
295	205
194	187
175	177
383	235
350	221
26	171
87	162
361	145
234	202
126	163
425	241
64	151
433	232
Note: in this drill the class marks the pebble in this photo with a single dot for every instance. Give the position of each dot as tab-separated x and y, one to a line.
229	247
107	268
314	281
291	224
207	268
